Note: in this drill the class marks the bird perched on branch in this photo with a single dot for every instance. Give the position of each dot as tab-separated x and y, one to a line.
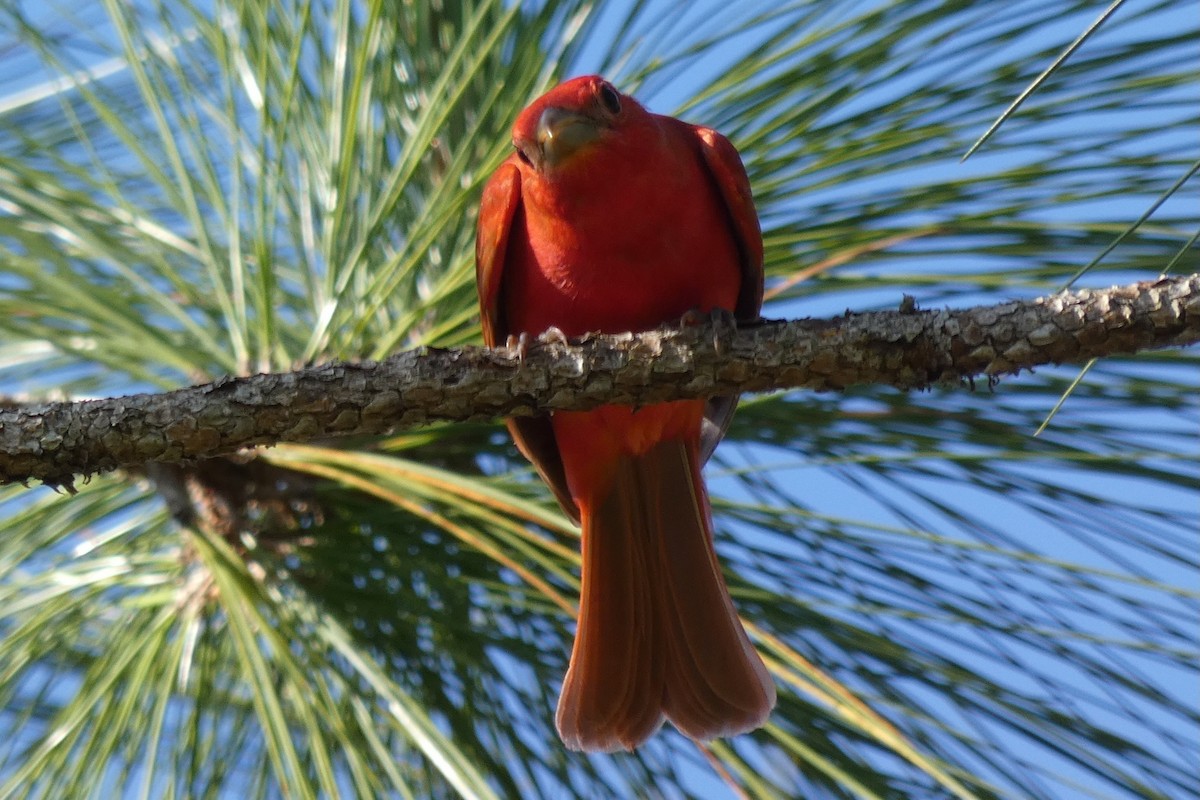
609	218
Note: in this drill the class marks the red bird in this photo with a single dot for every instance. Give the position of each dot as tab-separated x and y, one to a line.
609	218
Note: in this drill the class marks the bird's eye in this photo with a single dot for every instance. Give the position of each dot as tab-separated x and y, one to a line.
521	153
610	98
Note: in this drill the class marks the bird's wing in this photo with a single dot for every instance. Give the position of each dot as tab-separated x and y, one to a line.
729	176
534	436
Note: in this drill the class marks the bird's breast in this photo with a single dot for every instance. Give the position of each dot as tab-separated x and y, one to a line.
621	255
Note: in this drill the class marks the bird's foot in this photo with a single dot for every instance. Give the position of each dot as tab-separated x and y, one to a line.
553	335
717	317
518	345
722	320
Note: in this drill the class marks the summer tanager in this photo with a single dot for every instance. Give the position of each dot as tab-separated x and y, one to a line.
610	218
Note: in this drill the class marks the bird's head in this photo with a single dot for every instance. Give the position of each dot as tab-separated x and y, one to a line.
570	120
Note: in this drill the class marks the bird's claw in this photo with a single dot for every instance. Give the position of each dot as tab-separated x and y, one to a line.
518	345
553	335
722	320
717	317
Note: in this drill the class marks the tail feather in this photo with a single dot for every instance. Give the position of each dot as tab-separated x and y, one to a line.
610	696
658	634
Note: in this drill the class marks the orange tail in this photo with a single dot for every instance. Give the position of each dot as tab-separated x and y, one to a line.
658	634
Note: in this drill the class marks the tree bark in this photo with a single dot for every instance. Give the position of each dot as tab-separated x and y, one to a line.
906	349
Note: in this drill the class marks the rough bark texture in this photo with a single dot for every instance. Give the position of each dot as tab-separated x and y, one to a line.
906	349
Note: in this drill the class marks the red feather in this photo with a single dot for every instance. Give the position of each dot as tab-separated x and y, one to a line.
609	218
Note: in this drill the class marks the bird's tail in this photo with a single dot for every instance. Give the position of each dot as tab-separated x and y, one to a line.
658	634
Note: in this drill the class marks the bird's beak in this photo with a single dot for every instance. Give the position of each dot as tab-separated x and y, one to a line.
560	133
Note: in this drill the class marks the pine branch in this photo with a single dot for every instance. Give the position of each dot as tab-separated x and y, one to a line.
906	349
